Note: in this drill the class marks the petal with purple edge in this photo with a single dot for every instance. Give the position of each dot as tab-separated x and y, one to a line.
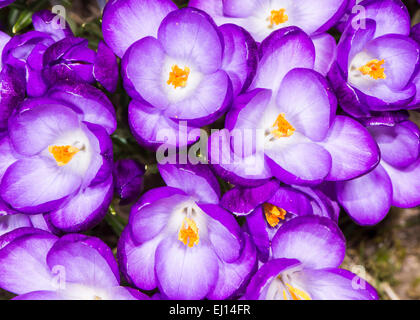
240	56
40	295
36	185
137	262
85	261
48	22
242	201
85	209
197	181
88	100
316	242
399	144
185	273
405	184
353	150
337	284
191	35
299	163
152	128
366	199
105	69
7	155
234	276
224	233
23	266
125	22
304	98
282	53
32	131
264	276
326	52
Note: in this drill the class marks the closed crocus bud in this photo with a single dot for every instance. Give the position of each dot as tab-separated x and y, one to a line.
128	176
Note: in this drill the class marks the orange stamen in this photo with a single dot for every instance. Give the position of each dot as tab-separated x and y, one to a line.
273	214
178	77
282	128
188	234
63	154
277	17
373	68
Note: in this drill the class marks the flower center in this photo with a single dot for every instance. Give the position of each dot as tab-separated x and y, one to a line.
374	69
63	154
188	234
282	128
295	293
178	77
273	214
277	17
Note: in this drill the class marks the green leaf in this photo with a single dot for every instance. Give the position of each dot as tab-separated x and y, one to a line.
116	222
24	20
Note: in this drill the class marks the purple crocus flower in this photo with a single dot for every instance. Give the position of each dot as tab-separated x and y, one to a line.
196	67
57	156
395	181
307	252
269	206
51	53
289	115
377	63
128	177
263	17
180	240
37	265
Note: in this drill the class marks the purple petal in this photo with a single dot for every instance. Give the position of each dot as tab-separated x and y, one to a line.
128	178
197	181
36	185
105	69
191	35
242	201
23	266
353	150
337	284
46	21
326	52
240	56
86	260
366	199
185	273
85	209
125	22
317	242
405	184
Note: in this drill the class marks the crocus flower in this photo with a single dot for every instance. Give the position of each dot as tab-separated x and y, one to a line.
51	53
196	67
290	117
180	240
57	156
37	265
268	206
377	62
128	177
307	252
395	181
263	17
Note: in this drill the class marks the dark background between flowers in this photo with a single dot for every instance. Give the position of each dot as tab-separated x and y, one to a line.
390	251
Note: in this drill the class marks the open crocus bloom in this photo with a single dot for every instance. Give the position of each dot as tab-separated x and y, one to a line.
179	240
37	265
184	79
289	117
307	252
269	206
262	17
395	181
377	64
57	157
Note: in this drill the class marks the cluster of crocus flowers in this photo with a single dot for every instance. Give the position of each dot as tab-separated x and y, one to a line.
329	130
